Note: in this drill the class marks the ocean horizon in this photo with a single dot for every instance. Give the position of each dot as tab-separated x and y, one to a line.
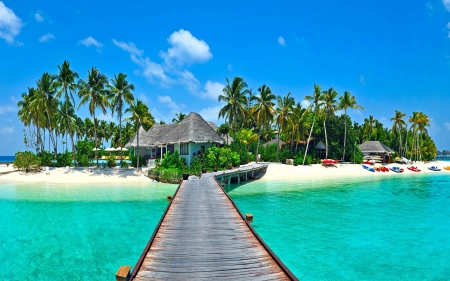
4	159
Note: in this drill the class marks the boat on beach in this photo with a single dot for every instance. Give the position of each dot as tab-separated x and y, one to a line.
368	168
413	168
434	168
397	169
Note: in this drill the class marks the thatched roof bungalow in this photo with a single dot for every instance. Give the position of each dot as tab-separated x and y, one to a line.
374	147
191	136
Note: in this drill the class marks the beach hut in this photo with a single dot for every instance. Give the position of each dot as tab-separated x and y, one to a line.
274	141
190	137
376	149
320	149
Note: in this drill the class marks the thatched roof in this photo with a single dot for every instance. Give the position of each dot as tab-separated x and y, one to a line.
438	152
274	141
374	147
133	142
320	146
446	152
193	128
224	136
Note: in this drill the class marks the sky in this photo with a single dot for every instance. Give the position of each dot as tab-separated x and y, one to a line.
391	55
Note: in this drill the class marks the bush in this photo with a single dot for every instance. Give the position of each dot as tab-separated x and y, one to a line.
134	161
172	160
111	162
84	152
124	164
45	158
83	160
64	159
26	161
172	175
221	158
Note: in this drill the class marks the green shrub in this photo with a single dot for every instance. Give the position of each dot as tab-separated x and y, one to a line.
172	175
26	161
173	160
45	158
83	160
124	164
134	161
84	152
111	162
221	158
64	159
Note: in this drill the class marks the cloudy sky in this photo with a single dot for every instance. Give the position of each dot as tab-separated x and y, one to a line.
392	55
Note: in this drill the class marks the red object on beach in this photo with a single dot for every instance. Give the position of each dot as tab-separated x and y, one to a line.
369	162
414	169
329	161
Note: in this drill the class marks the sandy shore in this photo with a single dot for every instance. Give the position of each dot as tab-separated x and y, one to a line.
274	172
289	172
75	175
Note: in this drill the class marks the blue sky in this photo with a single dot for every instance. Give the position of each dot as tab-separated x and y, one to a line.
392	55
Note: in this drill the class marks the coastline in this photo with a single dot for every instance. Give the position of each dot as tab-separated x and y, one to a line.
275	171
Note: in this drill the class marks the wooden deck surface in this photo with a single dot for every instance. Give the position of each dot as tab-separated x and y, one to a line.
202	236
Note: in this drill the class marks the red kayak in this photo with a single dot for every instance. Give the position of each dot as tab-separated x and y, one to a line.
369	162
414	169
329	161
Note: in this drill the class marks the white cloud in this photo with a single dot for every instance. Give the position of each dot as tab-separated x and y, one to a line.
230	67
169	102
7	108
305	103
7	130
447	125
186	49
212	90
210	113
446	4
10	25
129	47
189	81
13	99
38	17
281	41
361	80
46	37
90	41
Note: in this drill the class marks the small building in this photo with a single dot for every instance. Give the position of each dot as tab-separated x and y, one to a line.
378	150
190	137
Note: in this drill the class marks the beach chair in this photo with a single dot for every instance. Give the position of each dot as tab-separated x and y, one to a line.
47	170
67	170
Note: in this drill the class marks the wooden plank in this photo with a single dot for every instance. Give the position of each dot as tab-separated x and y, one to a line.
204	236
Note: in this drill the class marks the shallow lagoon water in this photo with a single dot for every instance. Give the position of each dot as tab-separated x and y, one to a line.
354	229
70	232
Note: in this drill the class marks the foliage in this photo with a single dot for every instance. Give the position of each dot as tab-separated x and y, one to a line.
26	161
111	162
64	159
84	152
83	160
45	158
171	175
172	160
124	164
134	160
220	158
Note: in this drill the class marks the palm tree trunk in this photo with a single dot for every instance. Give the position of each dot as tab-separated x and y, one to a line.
137	151
120	137
69	126
278	142
326	140
406	144
345	134
95	137
257	145
307	143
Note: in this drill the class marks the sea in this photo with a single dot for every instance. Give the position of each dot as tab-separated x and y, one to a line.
7	159
395	228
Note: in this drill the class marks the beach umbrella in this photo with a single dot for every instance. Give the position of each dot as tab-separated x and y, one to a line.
110	149
95	149
123	149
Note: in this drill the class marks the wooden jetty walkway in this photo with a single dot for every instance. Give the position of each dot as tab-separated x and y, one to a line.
203	236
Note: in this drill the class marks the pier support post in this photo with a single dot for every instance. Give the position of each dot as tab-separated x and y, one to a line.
249	217
239	177
229	179
123	274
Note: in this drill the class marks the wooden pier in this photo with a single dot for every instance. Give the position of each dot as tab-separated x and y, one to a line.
203	236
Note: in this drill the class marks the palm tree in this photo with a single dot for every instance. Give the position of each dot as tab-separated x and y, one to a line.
298	125
120	92
178	117
316	99
235	99
345	102
370	123
45	101
263	110
284	110
328	111
139	115
31	116
66	79
398	126
224	129
247	137
93	92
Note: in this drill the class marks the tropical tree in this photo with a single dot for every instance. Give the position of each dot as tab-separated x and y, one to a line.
235	101
94	92
297	124
120	92
247	137
263	110
66	80
284	111
139	115
328	111
224	129
316	103
345	102
178	117
398	126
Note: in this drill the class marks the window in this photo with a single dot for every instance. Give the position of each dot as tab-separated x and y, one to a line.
202	149
184	149
171	148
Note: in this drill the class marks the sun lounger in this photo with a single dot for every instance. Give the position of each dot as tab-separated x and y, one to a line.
47	170
67	170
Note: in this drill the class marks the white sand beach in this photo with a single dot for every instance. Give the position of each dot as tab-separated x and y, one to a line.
75	175
275	171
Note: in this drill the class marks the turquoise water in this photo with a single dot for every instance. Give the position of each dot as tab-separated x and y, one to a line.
68	232
366	229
